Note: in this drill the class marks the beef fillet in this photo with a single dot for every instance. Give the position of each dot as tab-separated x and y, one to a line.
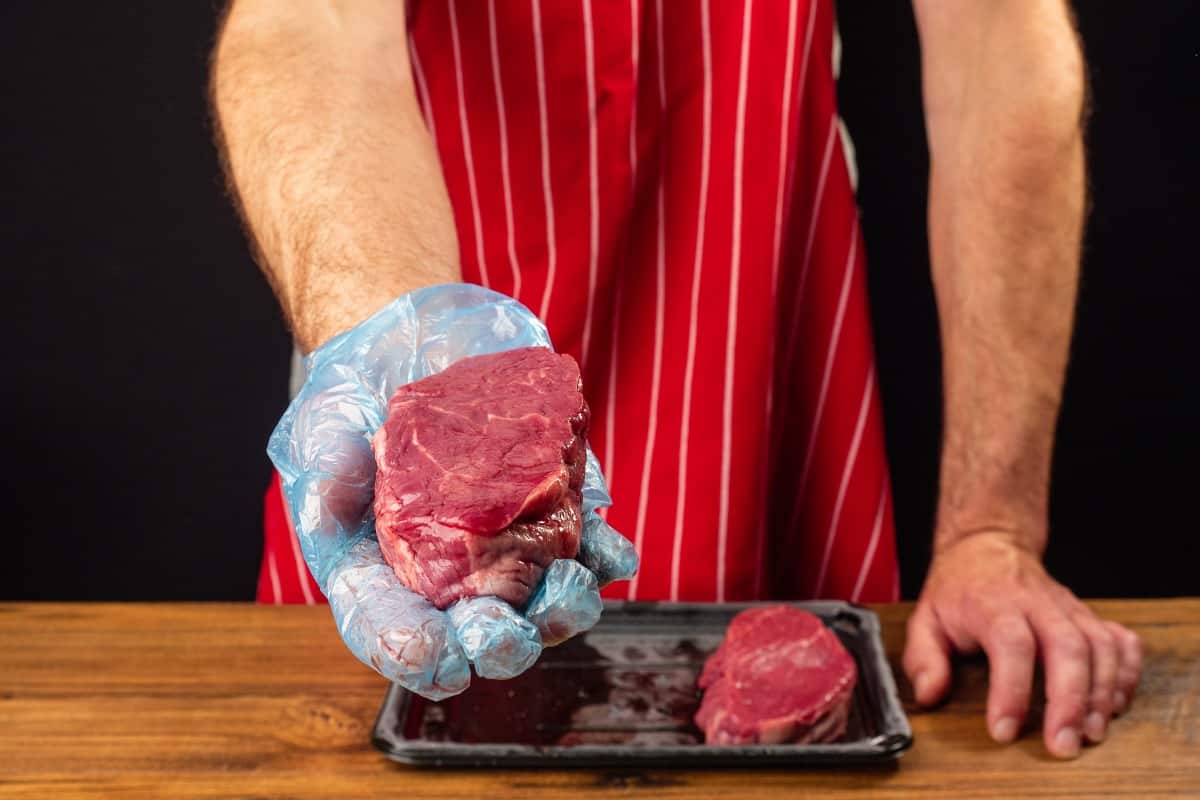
779	676
480	475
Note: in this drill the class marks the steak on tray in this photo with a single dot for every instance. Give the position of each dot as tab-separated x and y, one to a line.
480	475
779	676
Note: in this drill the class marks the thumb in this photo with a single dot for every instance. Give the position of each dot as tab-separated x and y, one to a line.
927	656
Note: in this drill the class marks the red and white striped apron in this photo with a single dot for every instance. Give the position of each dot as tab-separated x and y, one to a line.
663	182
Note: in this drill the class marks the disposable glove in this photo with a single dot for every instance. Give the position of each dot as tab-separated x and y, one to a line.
322	450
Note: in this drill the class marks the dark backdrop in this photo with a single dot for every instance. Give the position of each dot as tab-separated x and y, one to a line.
144	361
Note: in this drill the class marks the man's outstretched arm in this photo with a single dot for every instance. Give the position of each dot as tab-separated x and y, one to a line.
334	170
1004	92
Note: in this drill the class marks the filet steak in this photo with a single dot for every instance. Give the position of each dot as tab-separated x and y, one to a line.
480	475
779	676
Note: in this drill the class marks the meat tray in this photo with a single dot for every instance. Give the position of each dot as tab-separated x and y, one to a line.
624	694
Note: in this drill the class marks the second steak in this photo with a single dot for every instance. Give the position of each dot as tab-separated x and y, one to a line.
779	676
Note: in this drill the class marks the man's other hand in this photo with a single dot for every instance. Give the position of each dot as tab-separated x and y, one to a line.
986	591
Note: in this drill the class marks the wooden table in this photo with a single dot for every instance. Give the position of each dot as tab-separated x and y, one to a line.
199	700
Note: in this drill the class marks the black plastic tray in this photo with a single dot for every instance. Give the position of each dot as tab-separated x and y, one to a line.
624	694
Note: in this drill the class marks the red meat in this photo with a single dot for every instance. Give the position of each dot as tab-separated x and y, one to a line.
779	676
480	475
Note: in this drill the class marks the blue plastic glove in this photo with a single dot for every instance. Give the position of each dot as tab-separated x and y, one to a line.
322	449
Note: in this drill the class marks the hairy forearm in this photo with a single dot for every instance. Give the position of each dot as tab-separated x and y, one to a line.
334	171
1005	219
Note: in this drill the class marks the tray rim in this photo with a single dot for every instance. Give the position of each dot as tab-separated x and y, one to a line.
887	746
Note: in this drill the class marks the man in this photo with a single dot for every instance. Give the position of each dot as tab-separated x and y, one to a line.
663	184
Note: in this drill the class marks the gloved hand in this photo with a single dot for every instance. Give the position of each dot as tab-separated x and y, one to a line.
322	449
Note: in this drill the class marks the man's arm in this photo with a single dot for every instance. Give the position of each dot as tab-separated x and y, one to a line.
1004	94
335	173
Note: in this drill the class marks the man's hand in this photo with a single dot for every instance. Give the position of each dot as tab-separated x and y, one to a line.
988	591
322	449
1004	92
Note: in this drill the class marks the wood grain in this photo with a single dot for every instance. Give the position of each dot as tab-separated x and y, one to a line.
224	701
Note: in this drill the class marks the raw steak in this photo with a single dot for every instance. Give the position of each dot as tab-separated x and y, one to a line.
779	676
480	475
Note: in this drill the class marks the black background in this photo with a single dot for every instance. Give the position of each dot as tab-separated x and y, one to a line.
144	361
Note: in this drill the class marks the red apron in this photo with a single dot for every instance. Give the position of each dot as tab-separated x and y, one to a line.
664	184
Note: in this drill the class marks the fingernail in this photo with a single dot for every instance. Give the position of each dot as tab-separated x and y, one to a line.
1119	701
1066	743
1094	726
1004	730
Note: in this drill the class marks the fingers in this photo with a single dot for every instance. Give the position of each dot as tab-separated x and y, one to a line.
398	633
1129	667
1105	661
566	602
1067	656
605	552
927	657
1012	651
495	637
